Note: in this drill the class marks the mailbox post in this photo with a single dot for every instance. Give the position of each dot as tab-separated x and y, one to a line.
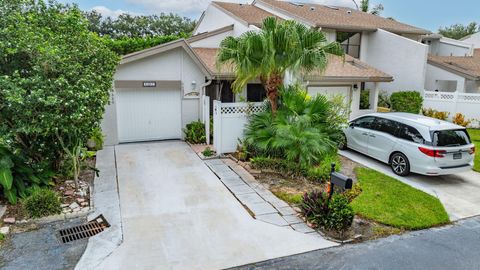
338	179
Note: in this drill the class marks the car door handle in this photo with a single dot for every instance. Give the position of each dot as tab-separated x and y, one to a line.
365	134
373	136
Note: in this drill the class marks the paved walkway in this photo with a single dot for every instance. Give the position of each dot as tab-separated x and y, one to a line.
459	193
446	248
176	214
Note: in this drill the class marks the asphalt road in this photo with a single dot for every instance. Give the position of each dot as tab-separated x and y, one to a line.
451	247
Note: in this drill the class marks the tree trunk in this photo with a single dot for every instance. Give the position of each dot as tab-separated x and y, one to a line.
271	86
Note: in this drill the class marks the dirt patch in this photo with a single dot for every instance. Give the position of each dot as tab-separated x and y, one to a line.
291	191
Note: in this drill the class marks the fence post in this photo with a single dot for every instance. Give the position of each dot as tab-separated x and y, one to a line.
206	117
217	126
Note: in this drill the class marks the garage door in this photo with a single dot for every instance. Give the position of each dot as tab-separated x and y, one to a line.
148	114
330	91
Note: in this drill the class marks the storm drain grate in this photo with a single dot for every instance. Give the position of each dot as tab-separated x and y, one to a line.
83	231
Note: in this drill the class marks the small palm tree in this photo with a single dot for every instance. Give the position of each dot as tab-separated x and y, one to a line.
279	47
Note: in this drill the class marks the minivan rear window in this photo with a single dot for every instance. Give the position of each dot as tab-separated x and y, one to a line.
446	138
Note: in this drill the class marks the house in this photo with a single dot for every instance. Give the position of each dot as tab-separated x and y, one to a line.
159	90
473	39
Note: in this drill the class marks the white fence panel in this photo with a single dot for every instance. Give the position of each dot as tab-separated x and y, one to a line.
206	116
454	102
229	121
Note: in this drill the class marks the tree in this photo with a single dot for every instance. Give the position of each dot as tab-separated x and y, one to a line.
129	26
458	31
55	79
267	55
365	7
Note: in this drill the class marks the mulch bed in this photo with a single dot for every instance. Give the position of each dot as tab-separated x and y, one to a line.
361	229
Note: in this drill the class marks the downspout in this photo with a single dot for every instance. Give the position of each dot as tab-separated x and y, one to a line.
203	88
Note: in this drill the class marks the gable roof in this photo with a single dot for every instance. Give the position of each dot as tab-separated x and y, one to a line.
337	70
465	66
212	33
180	43
250	14
340	18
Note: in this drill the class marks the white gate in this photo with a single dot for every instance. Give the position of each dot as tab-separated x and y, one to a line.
454	102
229	121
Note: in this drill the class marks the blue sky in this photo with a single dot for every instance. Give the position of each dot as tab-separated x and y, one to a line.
428	14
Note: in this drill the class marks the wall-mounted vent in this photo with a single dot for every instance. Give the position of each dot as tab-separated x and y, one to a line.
312	8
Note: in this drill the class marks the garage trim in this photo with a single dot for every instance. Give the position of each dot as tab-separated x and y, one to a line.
139	84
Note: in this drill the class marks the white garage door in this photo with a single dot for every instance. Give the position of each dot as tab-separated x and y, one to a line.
330	91
148	114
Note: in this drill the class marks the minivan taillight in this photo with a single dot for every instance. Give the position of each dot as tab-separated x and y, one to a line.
433	153
472	150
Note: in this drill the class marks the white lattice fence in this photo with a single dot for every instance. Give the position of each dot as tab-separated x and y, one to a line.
229	121
467	104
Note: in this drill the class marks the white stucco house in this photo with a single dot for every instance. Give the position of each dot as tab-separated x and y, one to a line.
473	39
159	90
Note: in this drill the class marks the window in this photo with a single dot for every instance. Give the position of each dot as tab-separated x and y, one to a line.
410	134
255	93
450	138
350	42
364	122
385	125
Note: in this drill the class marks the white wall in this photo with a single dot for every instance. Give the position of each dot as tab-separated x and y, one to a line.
214	18
403	58
450	47
473	39
174	65
435	74
212	41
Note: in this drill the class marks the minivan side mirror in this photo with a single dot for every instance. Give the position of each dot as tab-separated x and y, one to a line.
352	125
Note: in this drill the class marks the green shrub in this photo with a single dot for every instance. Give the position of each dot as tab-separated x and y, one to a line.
365	99
98	138
322	172
195	132
407	101
435	114
207	152
123	46
2	237
384	100
42	203
335	214
353	193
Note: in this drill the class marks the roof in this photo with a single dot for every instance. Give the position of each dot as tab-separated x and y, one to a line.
250	14
465	66
341	18
469	36
418	120
338	70
208	34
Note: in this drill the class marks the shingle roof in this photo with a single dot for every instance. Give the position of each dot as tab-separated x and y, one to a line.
351	69
467	66
248	13
342	18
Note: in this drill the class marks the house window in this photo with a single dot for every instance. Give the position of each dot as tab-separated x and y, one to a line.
226	94
255	93
350	42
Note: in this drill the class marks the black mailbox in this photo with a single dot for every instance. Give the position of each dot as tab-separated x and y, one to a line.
341	180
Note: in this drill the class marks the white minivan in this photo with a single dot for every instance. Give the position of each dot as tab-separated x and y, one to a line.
412	143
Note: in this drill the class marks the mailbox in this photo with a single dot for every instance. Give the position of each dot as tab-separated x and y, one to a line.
341	180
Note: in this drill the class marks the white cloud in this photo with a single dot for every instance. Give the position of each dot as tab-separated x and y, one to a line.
106	12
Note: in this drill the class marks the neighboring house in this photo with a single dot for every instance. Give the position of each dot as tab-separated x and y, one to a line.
472	39
159	90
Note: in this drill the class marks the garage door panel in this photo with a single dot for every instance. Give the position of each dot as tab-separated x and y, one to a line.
148	114
330	91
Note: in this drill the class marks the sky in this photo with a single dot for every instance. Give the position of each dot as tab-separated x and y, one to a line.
428	14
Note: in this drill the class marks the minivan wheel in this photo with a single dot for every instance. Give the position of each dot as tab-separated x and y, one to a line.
400	164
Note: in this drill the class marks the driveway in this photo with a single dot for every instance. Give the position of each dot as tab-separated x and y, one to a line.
459	193
176	214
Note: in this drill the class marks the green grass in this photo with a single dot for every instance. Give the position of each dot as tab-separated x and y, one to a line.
475	136
2	237
292	199
391	202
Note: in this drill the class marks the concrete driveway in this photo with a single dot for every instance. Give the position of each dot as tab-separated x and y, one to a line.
459	193
176	214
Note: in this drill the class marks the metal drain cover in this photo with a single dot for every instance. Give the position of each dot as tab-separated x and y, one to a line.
83	231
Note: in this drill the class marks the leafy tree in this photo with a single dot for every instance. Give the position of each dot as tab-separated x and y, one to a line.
365	7
130	26
123	46
270	53
458	31
55	79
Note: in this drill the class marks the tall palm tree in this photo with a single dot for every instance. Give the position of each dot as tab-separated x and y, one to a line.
365	7
268	54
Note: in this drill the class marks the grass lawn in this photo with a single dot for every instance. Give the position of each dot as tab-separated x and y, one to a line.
391	202
475	136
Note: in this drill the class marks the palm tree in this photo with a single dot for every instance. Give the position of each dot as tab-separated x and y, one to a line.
268	54
365	7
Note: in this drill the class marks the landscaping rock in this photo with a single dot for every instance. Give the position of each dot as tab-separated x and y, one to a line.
80	200
64	205
3	209
68	193
74	205
9	220
84	204
5	230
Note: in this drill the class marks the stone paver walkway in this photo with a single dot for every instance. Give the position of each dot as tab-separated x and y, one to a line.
264	205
